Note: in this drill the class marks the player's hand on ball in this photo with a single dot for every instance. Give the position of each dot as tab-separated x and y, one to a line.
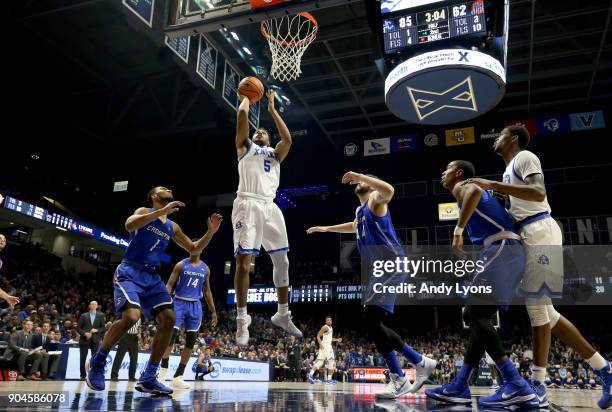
270	95
213	320
214	221
351	178
316	229
482	183
241	97
172	207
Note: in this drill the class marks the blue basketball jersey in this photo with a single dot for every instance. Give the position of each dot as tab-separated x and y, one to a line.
489	218
376	233
148	244
190	284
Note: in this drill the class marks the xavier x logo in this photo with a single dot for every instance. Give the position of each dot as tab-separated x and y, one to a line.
460	96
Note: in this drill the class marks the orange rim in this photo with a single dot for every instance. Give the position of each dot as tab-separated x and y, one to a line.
304	14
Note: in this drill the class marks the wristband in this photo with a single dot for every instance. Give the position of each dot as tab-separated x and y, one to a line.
458	231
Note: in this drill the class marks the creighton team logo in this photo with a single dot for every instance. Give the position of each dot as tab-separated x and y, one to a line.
459	96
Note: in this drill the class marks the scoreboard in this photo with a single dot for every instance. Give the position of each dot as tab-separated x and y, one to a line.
25	208
408	27
321	293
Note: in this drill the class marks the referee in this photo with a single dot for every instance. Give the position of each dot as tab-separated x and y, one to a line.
127	343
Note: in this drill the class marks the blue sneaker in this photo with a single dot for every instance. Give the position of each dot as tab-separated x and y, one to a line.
96	368
605	376
454	392
148	383
512	393
541	394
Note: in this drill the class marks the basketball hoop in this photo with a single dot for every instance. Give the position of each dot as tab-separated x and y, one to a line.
288	38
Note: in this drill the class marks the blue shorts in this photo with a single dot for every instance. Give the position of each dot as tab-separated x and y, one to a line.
504	268
188	313
139	287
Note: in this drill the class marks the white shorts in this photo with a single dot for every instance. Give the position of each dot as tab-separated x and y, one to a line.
543	276
325	354
258	223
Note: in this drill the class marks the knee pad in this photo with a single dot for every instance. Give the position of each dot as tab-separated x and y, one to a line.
553	315
538	315
191	339
280	273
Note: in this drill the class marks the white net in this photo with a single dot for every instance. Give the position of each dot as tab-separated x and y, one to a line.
288	38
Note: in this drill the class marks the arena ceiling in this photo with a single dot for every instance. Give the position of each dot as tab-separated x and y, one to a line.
96	69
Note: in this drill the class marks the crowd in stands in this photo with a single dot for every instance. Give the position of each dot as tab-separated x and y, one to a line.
52	300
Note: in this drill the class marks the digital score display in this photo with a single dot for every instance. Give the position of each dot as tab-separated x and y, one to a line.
301	294
25	208
311	294
406	28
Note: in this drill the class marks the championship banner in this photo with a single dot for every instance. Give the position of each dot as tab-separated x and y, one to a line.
378	374
456	137
207	62
587	121
143	9
553	124
376	147
180	46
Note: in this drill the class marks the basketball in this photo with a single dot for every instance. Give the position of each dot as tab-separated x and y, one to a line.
252	88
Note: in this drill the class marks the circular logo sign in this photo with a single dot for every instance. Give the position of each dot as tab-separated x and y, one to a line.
445	86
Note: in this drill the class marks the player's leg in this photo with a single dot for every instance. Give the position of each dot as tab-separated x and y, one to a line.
379	333
316	366
457	391
483	335
331	368
247	221
276	243
163	370
127	291
571	336
193	320
157	304
180	312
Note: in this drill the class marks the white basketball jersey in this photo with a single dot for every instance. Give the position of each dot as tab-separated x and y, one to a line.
259	171
327	336
524	164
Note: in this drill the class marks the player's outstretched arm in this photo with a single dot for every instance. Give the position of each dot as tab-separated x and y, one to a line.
242	126
534	190
348	227
209	301
383	191
143	217
11	300
174	276
181	239
282	147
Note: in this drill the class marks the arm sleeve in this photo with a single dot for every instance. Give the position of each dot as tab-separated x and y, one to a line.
526	164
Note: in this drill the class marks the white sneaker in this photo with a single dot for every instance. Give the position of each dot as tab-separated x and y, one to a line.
396	387
161	375
423	371
179	383
285	322
242	330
